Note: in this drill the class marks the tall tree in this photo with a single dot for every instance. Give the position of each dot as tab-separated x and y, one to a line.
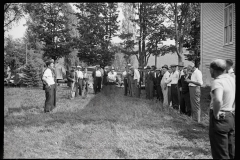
192	41
179	16
48	21
97	25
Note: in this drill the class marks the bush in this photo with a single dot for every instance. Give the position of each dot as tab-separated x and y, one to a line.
31	75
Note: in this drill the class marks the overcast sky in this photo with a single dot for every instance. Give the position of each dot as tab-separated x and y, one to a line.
18	29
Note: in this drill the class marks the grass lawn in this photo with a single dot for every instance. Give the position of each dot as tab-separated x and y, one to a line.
106	125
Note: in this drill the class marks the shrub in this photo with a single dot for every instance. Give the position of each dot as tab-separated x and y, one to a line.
31	75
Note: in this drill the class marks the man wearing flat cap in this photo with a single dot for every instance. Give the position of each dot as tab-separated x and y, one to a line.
136	82
50	86
195	84
174	86
164	85
222	106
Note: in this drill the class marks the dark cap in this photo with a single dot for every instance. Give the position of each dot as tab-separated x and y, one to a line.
148	67
165	66
229	62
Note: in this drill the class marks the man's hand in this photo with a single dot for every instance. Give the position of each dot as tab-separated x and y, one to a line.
188	80
180	89
165	88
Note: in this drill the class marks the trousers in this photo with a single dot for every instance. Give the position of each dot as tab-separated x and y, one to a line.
221	135
195	93
185	104
169	95
125	86
165	95
174	94
50	102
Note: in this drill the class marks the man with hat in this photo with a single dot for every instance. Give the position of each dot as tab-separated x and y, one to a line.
79	82
154	80
174	86
221	121
180	70
195	84
72	78
149	83
105	74
97	79
164	85
50	86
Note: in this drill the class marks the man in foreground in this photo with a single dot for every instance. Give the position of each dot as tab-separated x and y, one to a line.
221	125
48	78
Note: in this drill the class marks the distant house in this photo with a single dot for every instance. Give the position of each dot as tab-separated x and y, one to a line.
217	35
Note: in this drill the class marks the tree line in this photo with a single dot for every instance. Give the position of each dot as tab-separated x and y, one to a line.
55	30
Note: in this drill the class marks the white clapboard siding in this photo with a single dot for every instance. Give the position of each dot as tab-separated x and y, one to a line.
212	37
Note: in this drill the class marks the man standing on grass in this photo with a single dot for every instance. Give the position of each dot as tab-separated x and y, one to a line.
164	85
195	84
185	104
136	82
158	81
174	87
149	83
125	79
72	78
221	125
97	79
48	78
79	82
169	87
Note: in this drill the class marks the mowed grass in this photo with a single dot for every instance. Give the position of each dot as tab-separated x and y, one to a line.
106	125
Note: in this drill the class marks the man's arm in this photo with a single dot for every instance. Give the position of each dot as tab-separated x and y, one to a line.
217	101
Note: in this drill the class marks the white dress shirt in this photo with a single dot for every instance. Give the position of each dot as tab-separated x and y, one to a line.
165	77
136	75
174	77
168	81
49	77
124	73
196	77
98	73
79	74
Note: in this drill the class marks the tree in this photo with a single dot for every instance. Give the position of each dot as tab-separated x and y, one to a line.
13	12
31	76
97	25
192	41
179	15
48	21
14	53
149	18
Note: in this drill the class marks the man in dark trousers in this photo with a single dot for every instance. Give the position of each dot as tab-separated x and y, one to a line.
154	73
125	79
149	83
50	86
185	104
157	83
97	79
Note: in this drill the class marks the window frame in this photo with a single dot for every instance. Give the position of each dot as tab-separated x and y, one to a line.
227	6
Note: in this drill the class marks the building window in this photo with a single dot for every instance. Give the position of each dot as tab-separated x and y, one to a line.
228	30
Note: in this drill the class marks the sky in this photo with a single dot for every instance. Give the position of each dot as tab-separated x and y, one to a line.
18	29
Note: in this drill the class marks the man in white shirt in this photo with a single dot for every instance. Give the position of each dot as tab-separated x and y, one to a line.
125	78
48	78
136	79
195	92
164	85
79	82
180	70
229	68
112	78
222	122
174	84
97	77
